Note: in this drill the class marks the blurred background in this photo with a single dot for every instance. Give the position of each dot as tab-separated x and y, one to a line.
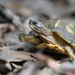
15	21
42	9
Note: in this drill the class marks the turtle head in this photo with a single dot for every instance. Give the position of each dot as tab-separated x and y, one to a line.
37	26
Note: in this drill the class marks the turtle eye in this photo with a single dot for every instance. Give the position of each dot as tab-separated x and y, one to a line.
34	22
39	25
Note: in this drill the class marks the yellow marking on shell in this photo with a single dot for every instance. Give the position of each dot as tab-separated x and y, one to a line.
69	28
73	45
56	24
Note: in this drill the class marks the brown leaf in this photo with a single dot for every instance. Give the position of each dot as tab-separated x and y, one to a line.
16	58
16	55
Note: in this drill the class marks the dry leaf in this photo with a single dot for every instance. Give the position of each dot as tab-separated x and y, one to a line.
16	54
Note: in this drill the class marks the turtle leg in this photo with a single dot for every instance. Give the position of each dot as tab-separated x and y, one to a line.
56	47
51	46
30	39
42	45
69	51
36	35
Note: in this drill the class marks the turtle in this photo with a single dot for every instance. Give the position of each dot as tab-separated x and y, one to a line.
52	34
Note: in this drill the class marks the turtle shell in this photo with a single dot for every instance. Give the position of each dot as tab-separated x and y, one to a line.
66	30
